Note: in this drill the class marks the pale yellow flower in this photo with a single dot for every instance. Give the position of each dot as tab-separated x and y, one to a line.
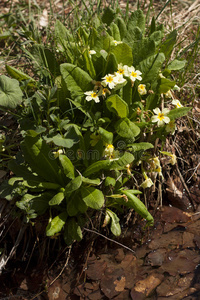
142	89
168	94
116	42
160	116
91	95
177	103
133	74
173	160
109	81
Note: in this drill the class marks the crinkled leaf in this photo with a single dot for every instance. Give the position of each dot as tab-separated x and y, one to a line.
150	67
176	64
123	54
168	44
106	135
77	80
178	112
127	129
137	19
10	92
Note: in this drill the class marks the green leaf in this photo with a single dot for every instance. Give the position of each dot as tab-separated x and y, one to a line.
67	166
127	92
110	181
123	54
92	197
89	64
40	202
108	15
111	64
64	142
10	92
122	27
168	44
115	226
72	231
117	105
142	49
137	19
151	66
120	163
77	80
138	206
176	65
73	185
39	156
91	181
57	199
127	129
164	85
141	146
178	112
17	74
22	171
152	101
5	35
106	135
156	36
72	208
56	224
115	32
64	40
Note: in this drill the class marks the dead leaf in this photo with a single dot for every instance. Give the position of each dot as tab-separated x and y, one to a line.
120	284
147	285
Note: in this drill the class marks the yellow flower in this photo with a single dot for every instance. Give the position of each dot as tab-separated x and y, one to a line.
128	168
108	152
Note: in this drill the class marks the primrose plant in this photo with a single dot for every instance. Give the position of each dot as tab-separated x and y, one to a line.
88	138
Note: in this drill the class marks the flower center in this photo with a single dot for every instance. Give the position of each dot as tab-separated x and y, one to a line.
160	116
120	71
109	79
94	95
141	87
134	74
